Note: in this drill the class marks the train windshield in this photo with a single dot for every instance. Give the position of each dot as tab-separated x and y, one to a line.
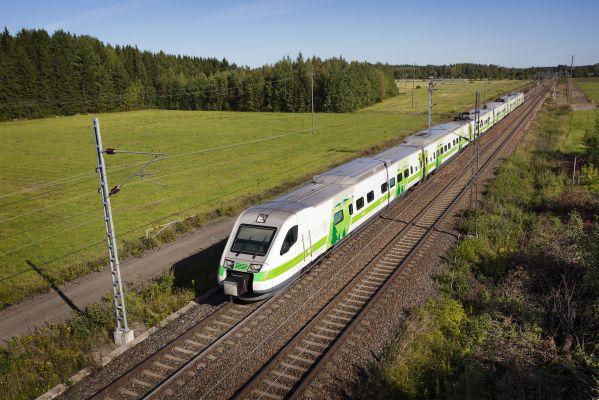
253	239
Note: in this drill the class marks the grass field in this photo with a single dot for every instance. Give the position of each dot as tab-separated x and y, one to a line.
51	227
591	87
582	120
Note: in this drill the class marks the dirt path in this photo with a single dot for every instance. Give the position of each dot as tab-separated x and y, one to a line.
580	100
60	304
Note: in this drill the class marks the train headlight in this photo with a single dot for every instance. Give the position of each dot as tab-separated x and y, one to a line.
229	263
254	267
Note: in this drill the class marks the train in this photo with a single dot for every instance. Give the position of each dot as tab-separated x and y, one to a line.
271	244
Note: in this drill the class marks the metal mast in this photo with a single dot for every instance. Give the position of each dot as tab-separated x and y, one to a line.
570	79
312	92
122	334
476	165
430	104
413	81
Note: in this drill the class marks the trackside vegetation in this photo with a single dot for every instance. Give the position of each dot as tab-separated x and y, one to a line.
517	313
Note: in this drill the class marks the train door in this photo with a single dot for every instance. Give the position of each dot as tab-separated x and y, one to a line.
340	222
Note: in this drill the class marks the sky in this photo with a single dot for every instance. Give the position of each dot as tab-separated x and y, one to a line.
254	32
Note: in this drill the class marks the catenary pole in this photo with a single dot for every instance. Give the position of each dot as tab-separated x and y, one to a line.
312	93
570	79
430	103
122	334
413	82
476	176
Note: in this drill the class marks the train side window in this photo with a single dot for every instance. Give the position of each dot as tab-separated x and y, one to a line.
370	196
411	170
351	209
399	177
406	173
360	203
290	240
338	217
384	187
392	182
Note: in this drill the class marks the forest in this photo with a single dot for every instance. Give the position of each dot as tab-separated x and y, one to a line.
44	74
65	74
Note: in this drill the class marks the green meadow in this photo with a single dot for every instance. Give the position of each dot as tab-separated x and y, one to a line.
590	86
213	164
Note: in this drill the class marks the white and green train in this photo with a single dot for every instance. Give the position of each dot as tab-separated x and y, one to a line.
272	243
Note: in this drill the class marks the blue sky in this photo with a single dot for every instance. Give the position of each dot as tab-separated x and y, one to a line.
254	32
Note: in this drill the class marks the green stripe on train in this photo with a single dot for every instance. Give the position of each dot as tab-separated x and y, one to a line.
273	273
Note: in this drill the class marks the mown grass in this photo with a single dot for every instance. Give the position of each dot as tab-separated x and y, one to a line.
58	227
500	328
591	88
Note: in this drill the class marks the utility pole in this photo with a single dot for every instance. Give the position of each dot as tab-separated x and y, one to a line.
312	92
485	89
430	103
413	81
477	119
570	79
122	334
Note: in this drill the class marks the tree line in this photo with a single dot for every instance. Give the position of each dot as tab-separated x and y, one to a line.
45	74
488	71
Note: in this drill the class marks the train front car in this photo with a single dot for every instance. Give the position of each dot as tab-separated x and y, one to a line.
252	250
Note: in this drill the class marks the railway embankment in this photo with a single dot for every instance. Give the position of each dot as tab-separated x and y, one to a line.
516	314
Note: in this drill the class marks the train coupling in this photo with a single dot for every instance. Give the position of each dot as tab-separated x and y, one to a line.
237	284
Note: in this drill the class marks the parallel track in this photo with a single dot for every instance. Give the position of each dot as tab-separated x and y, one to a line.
289	373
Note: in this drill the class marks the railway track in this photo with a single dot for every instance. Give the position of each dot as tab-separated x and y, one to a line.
294	365
298	363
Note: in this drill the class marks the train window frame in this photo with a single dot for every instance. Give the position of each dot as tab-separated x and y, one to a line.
264	253
360	203
406	173
384	187
351	209
392	182
288	242
336	220
370	196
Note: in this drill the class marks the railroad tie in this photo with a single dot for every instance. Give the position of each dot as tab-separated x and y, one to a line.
302	359
163	366
185	351
193	343
173	358
277	385
284	375
294	366
315	344
261	393
128	392
151	374
323	337
142	383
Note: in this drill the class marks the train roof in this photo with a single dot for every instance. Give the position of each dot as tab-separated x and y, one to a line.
307	195
352	172
426	137
397	153
511	96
